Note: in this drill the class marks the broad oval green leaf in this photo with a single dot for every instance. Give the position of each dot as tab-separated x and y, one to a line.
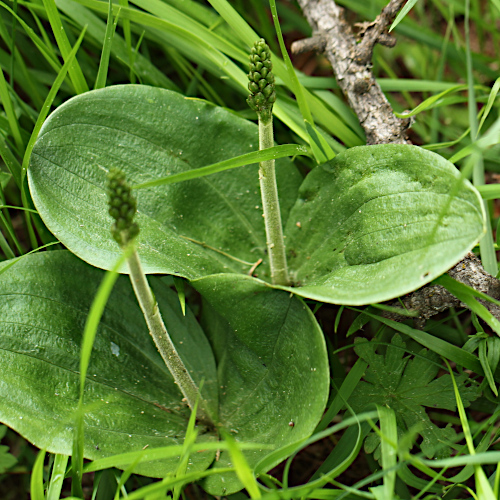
131	400
271	355
377	222
272	366
194	228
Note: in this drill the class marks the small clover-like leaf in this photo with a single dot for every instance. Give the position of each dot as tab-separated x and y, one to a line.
408	384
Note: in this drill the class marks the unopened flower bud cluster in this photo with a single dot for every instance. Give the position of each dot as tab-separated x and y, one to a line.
122	207
261	80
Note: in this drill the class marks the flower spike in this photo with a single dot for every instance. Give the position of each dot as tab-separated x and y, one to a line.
122	207
261	81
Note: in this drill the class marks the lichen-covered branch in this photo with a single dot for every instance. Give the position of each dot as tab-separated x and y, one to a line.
433	299
351	63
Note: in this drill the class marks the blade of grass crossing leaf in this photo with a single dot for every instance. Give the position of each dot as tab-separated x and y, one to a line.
189	440
483	487
157	491
94	317
36	483
242	468
10	113
89	333
388	445
402	14
239	161
123	460
9	264
57	477
102	73
75	71
277	456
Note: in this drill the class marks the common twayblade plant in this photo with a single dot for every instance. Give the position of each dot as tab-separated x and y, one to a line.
369	225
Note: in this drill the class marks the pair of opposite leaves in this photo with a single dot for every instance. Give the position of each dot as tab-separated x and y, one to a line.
373	224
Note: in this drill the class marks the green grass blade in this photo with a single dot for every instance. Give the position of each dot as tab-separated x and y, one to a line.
389	446
242	468
96	28
74	70
321	149
10	263
240	27
491	100
488	255
181	293
10	113
239	161
94	317
402	14
48	102
483	358
4	245
127	33
57	477
102	73
490	138
489	191
125	459
10	161
430	102
346	389
36	484
483	487
44	48
89	333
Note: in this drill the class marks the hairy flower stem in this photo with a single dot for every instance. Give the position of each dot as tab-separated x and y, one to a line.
271	208
162	339
262	96
122	207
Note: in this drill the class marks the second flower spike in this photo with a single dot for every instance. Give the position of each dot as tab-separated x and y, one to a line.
261	80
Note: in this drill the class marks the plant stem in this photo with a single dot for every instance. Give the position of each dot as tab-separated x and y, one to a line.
271	208
162	339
